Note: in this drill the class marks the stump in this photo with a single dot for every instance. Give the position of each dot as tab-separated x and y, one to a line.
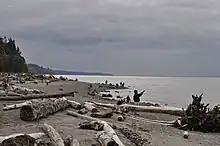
42	108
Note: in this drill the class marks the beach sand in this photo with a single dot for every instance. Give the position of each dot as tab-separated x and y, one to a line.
158	135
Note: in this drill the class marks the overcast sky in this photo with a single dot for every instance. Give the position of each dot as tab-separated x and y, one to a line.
130	37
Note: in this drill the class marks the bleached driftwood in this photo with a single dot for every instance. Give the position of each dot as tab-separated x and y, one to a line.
105	140
53	135
107	128
24	90
90	106
16	106
21	136
42	108
74	104
38	96
93	125
152	109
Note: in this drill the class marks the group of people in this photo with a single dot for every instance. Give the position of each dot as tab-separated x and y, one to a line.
136	97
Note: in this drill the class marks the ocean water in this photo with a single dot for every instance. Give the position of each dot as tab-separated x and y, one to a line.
175	91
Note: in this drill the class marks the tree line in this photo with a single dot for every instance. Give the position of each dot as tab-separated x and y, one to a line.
10	57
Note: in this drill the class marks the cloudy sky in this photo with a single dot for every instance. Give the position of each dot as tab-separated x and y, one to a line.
130	37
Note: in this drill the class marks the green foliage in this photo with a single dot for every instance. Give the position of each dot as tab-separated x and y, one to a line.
10	57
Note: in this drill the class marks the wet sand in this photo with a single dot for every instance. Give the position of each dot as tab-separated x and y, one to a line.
159	135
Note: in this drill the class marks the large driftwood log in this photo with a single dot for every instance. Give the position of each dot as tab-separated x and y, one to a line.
38	96
152	109
42	108
93	125
90	106
102	113
107	128
134	137
69	141
24	90
15	106
19	138
105	140
53	135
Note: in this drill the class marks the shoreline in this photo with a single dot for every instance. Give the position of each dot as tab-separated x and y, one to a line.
10	121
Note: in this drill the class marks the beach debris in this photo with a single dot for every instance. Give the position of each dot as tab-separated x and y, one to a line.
107	95
107	128
15	106
135	137
105	140
70	141
24	91
185	134
83	111
42	108
53	134
90	106
104	113
37	96
199	117
75	104
20	139
121	118
93	125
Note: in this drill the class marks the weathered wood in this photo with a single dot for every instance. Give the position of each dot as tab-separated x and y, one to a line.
90	106
38	96
42	108
121	118
152	109
20	138
93	125
105	140
15	106
53	135
74	104
102	114
107	128
69	141
135	137
24	90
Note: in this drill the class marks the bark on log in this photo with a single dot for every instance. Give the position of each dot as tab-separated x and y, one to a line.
107	128
42	108
38	96
19	137
74	104
15	106
90	106
134	137
105	140
164	109
53	135
102	114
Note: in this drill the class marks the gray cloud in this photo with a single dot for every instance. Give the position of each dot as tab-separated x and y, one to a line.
159	37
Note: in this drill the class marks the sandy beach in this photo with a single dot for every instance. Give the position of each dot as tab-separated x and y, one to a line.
157	134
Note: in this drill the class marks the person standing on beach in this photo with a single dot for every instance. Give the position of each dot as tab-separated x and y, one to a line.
137	96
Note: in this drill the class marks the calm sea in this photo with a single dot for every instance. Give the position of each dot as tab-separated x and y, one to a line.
175	91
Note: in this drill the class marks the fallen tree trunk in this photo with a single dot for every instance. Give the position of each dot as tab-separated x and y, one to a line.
74	104
5	140
134	137
90	106
105	140
15	106
42	108
107	128
102	114
152	109
38	96
53	135
93	125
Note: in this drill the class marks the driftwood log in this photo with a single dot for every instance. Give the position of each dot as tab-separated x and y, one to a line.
104	113
107	128
105	140
90	106
38	96
74	104
69	141
152	109
16	106
53	135
134	137
20	139
93	125
42	108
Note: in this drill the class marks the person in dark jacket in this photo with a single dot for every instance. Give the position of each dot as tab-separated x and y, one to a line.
137	95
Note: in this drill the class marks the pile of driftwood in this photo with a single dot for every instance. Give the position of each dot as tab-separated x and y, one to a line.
198	116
